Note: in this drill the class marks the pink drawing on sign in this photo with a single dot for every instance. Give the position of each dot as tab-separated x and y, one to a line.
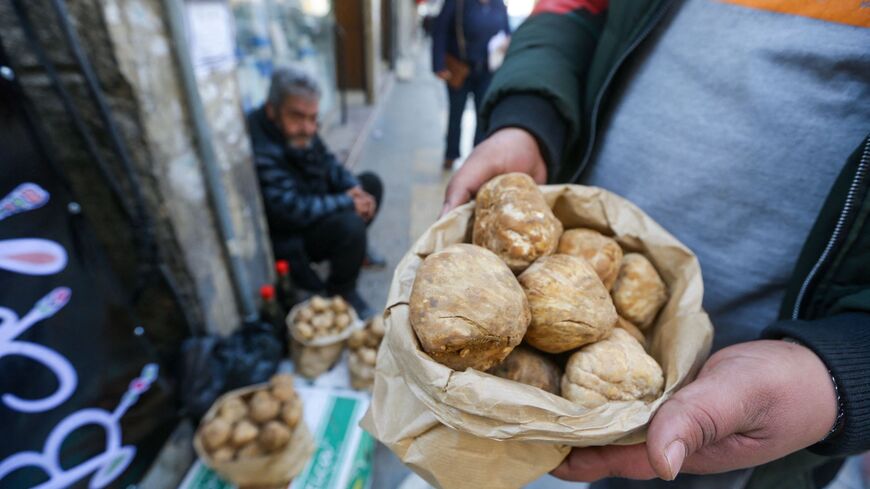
23	198
54	301
32	256
34	196
138	386
35	258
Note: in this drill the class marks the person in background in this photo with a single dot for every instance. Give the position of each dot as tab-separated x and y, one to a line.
740	126
460	56
317	210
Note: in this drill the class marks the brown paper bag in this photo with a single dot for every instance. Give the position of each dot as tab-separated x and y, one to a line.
274	469
471	429
313	357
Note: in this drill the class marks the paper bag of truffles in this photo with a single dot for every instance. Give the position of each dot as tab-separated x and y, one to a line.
255	436
363	347
528	322
319	328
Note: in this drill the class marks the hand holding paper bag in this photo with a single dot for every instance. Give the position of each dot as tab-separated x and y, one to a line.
461	429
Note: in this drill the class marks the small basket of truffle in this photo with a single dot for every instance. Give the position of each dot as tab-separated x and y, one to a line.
255	436
319	329
529	321
363	345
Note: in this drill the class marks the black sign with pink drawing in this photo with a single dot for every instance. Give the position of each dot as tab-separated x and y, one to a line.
82	403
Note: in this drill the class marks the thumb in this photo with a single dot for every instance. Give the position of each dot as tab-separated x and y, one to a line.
699	415
476	171
455	196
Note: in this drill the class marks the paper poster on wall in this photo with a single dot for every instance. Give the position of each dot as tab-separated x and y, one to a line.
211	36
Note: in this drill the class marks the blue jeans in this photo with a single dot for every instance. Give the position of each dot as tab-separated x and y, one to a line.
476	84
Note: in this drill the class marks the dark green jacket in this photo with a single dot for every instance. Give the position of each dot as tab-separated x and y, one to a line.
560	67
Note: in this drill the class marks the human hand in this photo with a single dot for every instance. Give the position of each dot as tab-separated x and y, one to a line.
364	203
751	403
507	150
370	204
443	74
355	191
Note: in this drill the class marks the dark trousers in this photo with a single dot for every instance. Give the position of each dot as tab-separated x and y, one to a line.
340	239
476	84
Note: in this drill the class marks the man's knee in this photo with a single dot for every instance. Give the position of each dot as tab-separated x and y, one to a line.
348	226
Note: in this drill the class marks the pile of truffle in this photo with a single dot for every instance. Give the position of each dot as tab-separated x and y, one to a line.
254	425
578	302
322	317
363	345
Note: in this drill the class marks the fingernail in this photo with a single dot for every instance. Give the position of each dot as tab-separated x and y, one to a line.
675	454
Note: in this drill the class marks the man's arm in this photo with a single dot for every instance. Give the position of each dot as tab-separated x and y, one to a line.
340	178
532	109
842	342
548	59
837	300
761	400
753	403
286	206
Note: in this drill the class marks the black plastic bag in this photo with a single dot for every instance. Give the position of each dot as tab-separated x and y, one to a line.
211	365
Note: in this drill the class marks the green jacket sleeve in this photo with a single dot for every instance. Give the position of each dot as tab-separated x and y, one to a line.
549	57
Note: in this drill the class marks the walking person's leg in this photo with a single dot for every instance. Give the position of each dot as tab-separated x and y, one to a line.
456	102
479	85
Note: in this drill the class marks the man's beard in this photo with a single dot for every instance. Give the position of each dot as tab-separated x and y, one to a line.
301	142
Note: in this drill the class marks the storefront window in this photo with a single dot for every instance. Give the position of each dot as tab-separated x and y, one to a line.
271	33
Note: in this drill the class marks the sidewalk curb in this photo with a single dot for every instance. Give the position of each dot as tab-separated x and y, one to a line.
363	136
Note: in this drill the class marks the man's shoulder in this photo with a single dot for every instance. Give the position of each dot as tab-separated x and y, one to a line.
263	142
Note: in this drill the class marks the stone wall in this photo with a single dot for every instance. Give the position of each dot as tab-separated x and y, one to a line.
129	44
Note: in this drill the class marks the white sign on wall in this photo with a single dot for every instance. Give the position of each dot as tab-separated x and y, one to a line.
211	36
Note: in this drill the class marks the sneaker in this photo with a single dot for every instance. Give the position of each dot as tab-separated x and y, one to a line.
374	259
362	308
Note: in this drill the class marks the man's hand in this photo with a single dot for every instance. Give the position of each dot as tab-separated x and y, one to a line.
443	74
364	203
507	150
751	403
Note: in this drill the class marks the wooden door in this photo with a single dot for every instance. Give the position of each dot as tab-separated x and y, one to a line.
350	45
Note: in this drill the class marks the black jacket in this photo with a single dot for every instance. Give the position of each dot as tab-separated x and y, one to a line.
299	187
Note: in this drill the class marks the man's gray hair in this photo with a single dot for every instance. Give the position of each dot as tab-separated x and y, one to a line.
291	82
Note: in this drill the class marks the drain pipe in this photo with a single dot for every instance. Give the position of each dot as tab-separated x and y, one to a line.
241	281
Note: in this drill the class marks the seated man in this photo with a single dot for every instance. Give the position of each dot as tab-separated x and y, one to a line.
317	210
